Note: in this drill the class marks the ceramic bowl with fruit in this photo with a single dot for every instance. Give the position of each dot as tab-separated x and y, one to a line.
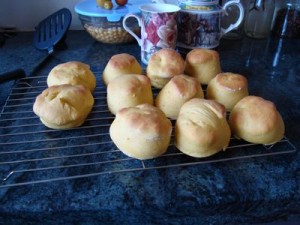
102	19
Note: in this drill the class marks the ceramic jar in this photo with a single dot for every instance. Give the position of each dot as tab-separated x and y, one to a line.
199	23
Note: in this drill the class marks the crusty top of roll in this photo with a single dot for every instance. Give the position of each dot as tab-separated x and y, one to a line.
120	64
156	123
132	82
65	104
122	61
73	72
141	132
127	91
192	106
200	55
186	86
256	108
203	114
256	120
201	128
176	92
165	63
232	81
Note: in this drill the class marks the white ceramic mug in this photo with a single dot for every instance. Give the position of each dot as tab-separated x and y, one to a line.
158	28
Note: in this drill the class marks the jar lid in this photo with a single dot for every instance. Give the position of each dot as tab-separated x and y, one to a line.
90	8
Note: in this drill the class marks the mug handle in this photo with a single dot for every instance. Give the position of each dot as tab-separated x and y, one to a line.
139	40
239	20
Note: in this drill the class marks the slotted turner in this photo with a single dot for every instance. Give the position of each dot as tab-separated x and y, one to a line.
48	33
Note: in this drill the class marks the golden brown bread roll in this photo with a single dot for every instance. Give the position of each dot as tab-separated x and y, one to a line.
73	72
176	92
256	120
163	65
120	64
204	64
227	89
141	132
63	106
127	91
201	128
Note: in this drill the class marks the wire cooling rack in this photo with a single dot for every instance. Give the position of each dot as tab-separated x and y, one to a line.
31	153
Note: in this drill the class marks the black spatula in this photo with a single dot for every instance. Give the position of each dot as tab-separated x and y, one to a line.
48	33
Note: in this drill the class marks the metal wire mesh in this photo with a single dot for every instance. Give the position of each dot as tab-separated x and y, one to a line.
31	153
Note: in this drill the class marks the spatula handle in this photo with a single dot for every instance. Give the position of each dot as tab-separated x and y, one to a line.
12	75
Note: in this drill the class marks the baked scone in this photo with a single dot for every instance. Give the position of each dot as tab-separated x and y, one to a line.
204	64
176	92
227	89
163	65
256	120
120	64
141	132
63	106
201	128
127	91
73	72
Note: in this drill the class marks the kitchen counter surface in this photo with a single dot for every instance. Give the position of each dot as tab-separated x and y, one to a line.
250	190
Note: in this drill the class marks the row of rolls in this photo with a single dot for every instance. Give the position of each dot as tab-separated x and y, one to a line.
142	127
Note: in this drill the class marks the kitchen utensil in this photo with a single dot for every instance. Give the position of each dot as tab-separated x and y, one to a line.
48	33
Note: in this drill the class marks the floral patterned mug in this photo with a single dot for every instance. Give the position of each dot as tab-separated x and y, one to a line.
158	28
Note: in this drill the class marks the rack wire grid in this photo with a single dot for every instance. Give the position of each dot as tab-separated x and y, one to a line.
31	153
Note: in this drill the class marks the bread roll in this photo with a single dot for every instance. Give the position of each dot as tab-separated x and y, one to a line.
163	65
141	132
201	128
120	64
227	89
73	72
63	106
176	92
127	91
256	120
204	64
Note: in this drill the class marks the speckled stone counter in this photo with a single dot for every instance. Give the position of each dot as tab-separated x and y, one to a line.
244	191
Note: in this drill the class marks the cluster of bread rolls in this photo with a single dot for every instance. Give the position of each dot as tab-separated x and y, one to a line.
68	100
142	127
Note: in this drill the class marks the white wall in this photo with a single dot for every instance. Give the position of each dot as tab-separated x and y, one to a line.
26	14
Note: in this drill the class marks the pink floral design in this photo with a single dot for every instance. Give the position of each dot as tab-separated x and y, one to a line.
167	34
151	33
161	30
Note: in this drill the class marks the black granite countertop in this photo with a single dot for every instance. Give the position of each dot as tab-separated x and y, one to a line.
251	190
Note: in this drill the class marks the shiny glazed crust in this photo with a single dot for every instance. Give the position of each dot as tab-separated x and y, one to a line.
201	128
120	64
163	65
141	132
256	120
73	72
227	89
63	106
127	91
176	92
